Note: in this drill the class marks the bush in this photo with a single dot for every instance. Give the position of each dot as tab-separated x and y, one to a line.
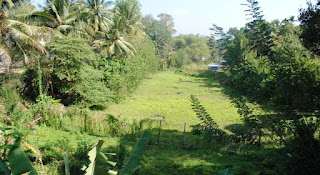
123	75
70	75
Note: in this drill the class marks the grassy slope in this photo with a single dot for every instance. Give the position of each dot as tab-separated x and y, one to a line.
164	94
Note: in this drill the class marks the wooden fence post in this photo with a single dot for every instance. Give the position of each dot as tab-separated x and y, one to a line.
159	132
140	126
184	135
85	122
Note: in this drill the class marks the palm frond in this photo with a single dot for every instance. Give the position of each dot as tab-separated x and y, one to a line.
26	59
21	11
27	29
125	46
44	15
63	28
112	49
24	39
54	9
70	20
9	2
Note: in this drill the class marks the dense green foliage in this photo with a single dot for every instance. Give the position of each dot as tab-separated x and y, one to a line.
123	76
161	33
309	19
269	65
189	49
92	63
75	80
89	56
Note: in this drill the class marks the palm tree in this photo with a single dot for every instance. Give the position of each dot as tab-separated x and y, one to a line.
89	19
126	22
98	15
16	36
129	11
113	42
61	15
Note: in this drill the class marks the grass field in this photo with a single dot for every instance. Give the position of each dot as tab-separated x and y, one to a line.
168	94
164	94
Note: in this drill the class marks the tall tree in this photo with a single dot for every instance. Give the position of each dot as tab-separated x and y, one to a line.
212	44
97	14
223	38
126	21
310	25
167	20
259	31
161	32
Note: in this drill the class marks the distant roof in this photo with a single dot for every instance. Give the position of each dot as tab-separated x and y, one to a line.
213	65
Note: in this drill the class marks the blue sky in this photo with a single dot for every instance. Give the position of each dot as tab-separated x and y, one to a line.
196	17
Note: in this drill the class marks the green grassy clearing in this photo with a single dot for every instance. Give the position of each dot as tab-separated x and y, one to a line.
164	94
167	94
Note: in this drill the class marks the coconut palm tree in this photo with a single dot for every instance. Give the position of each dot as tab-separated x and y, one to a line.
126	22
113	42
16	36
61	15
129	11
98	15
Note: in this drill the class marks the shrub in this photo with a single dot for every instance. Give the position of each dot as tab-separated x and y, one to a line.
76	80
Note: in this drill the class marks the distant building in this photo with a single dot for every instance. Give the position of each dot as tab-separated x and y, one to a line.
213	66
216	67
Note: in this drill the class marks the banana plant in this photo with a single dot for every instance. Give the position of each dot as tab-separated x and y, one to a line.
16	159
100	162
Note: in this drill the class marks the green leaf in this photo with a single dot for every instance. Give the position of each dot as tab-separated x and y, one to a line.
6	146
136	155
99	161
3	168
92	157
19	162
226	172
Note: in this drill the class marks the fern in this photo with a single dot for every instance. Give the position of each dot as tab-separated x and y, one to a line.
202	114
208	127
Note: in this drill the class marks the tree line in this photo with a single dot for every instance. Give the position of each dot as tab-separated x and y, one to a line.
91	53
276	65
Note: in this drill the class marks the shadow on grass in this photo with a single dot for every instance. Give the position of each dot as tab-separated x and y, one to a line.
219	79
169	156
216	79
